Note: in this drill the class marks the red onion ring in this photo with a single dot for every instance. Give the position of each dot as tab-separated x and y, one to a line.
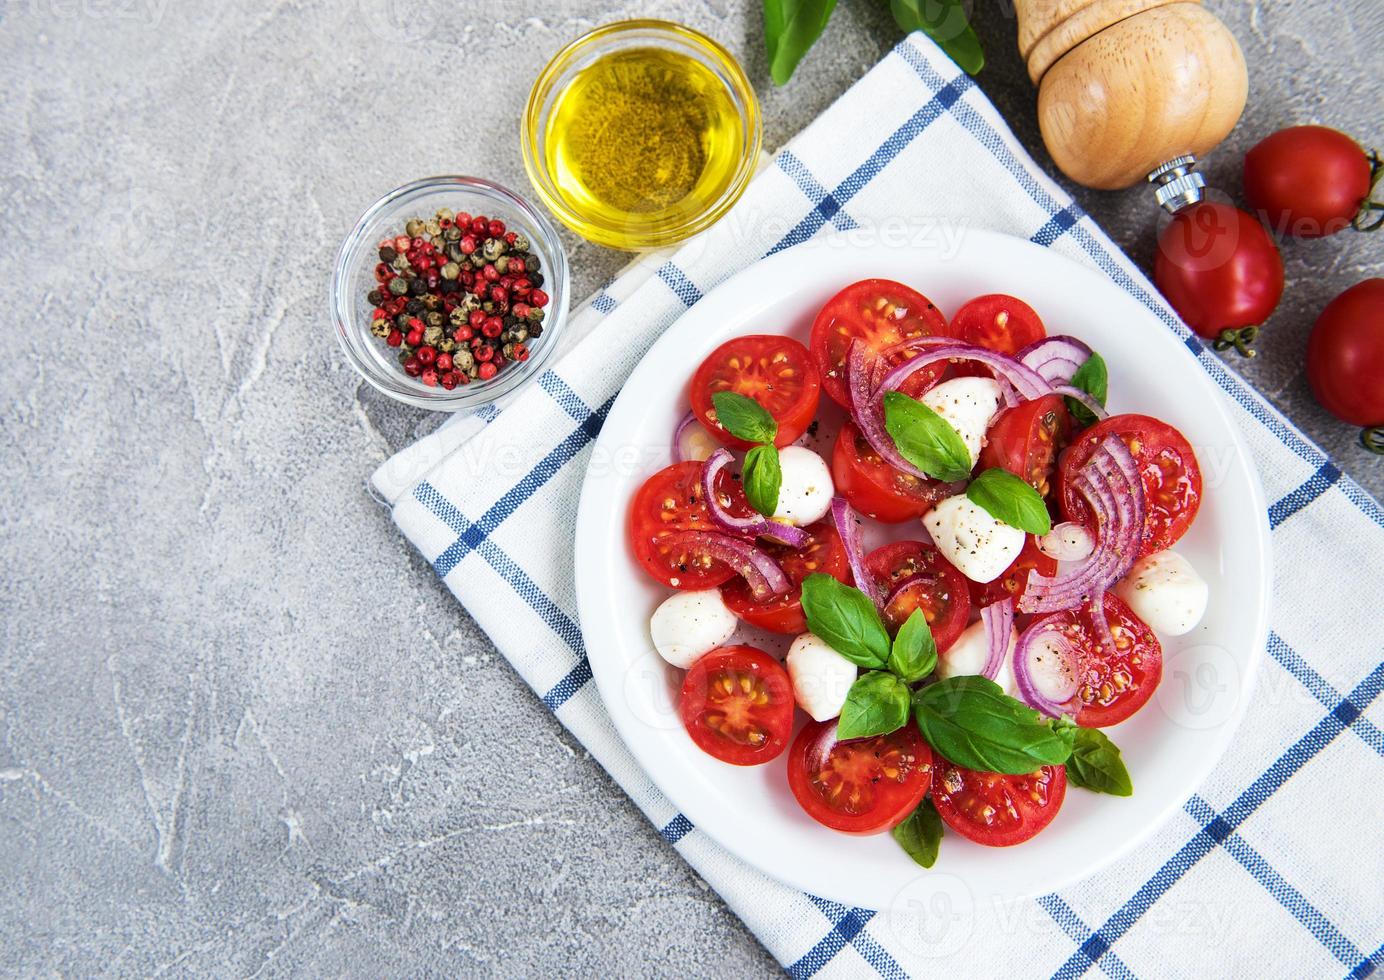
868	411
1047	668
1111	485
759	571
755	526
904	584
998	618
1027	382
849	530
1096	610
682	447
1068	541
1093	406
1055	359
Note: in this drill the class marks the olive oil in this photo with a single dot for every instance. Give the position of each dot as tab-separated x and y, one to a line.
643	139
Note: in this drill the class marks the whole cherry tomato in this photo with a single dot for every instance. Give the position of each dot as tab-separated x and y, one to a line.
1309	181
1345	359
1221	272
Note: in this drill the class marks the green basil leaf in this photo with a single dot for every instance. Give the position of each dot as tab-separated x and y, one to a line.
972	722
945	22
925	439
876	705
846	620
743	417
1007	498
1093	379
762	477
921	834
791	27
914	654
1096	764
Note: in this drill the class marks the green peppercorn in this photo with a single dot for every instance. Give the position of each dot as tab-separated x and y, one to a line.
521	244
477	259
432	302
521	335
401	321
488	306
400	263
535	314
445	214
405	352
434	319
454	252
380	326
398	286
432	336
432	229
451	270
452	234
493	248
414	227
502	264
463	360
446	345
457	317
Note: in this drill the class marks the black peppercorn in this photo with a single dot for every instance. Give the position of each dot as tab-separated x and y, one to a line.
375	297
537	279
417	287
387	253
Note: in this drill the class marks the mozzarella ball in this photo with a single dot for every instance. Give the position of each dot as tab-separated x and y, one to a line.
806	492
968	537
1165	591
967	405
688	625
968	655
821	677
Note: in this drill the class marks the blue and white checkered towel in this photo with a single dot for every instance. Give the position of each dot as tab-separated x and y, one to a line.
1276	866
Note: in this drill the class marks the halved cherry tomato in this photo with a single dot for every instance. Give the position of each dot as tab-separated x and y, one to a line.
737	704
880	313
939	590
1172	478
1113	687
1026	439
997	810
1001	323
1012	583
777	372
861	786
669	503
875	488
784	613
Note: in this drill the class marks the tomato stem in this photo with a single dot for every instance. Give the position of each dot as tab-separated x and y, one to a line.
1373	439
1371	216
1241	340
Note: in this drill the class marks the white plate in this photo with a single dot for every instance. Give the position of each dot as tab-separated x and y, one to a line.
1170	746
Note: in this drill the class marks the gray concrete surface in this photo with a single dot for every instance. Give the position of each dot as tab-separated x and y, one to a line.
244	729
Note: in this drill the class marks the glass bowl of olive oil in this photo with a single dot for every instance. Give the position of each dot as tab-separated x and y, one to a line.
641	133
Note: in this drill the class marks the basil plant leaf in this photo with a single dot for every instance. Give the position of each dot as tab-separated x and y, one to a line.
1011	500
920	835
1096	764
743	417
791	27
945	22
973	723
1093	379
762	478
925	439
914	654
876	705
846	620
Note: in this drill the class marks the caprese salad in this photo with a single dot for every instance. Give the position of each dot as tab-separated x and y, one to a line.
960	672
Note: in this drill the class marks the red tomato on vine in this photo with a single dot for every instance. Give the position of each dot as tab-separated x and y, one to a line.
1311	181
1345	359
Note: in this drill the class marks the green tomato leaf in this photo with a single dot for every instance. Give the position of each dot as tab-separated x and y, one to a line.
846	620
1093	379
762	477
945	22
972	722
791	27
921	834
1011	500
914	654
876	705
743	417
1096	764
925	439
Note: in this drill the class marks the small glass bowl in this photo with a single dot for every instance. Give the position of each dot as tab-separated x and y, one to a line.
591	47
354	277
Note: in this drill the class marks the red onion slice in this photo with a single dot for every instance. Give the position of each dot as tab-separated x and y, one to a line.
1096	610
691	441
754	526
1055	359
904	584
1027	382
1047	668
1111	484
1068	541
868	411
1093	406
998	618
759	571
849	529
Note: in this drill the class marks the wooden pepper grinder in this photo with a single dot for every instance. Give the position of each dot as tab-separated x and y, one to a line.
1132	90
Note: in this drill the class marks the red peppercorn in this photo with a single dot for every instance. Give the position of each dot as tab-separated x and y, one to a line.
414	323
496	228
538	298
444	223
521	310
414	337
521	352
465	333
413	367
394	339
476	318
483	354
510	237
427	356
479	224
493	326
462	219
444	362
429	378
383	273
403	243
378	314
490	273
487	371
522	287
467	244
448	380
517	266
499	294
